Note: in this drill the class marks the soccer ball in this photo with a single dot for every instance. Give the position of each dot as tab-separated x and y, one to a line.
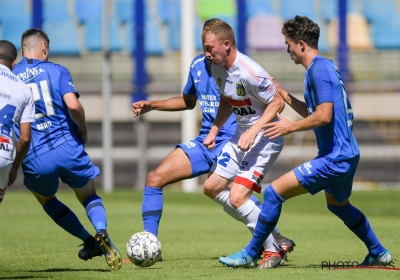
143	249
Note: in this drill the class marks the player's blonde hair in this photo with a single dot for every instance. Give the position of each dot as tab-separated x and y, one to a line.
221	29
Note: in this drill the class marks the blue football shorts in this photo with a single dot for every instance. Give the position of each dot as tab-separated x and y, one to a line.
68	161
200	157
335	178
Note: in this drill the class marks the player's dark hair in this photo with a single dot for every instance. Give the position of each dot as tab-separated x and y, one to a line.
35	32
8	52
221	29
302	28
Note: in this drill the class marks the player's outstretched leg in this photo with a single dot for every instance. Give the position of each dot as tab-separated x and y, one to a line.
286	243
356	221
110	251
90	249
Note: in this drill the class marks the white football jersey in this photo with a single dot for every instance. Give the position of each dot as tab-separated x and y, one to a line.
16	105
248	88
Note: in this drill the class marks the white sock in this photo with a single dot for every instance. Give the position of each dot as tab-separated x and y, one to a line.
223	199
250	212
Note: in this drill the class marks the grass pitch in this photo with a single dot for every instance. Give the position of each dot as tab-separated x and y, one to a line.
194	232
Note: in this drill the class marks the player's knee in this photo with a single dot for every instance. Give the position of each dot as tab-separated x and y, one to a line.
209	190
154	179
236	199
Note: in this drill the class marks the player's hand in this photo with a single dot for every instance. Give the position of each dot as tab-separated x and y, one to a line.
140	108
209	141
12	176
246	140
279	128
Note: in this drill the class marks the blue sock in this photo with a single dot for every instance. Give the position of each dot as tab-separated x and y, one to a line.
269	216
259	205
356	221
152	206
95	211
65	218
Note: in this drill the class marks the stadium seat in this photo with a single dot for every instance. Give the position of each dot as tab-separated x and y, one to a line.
207	9
13	9
329	8
169	10
379	9
264	32
323	44
385	33
93	35
152	37
88	9
256	7
125	10
291	8
55	10
63	37
358	37
13	29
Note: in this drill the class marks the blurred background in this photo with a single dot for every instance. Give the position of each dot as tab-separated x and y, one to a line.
149	52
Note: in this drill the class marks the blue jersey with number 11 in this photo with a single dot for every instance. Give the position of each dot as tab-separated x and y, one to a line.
49	82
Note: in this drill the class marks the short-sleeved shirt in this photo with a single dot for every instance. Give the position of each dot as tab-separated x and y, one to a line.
16	106
49	82
323	84
201	83
248	88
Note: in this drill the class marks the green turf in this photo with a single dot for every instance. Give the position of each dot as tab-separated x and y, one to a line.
194	232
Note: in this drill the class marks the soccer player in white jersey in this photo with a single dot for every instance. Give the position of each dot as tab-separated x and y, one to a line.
16	106
246	90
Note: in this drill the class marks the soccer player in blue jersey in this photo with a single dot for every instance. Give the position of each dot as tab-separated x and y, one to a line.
191	159
57	148
328	112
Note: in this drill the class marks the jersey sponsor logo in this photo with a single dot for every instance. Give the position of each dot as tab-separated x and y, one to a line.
308	167
43	125
4	147
243	111
8	75
240	90
3	95
219	82
30	74
4	140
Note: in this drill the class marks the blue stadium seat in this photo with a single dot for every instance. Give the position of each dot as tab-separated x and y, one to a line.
63	37
256	7
13	9
291	8
55	10
169	10
93	35
379	9
385	33
323	45
13	29
125	10
152	45
329	8
88	9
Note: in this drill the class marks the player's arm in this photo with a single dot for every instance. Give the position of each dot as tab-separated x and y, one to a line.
223	114
77	114
178	103
21	151
299	106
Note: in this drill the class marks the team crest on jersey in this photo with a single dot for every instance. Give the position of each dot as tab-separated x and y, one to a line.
219	82
240	90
